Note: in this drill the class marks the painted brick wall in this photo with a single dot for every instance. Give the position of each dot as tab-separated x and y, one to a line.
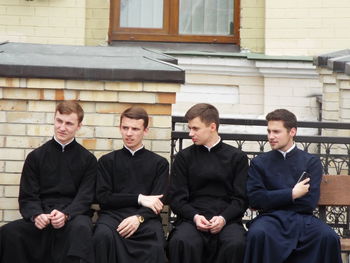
97	22
336	107
253	25
312	27
44	21
244	88
27	110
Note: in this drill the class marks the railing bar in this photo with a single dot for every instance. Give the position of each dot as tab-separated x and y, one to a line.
257	122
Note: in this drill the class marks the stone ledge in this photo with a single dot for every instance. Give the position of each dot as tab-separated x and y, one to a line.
87	63
335	61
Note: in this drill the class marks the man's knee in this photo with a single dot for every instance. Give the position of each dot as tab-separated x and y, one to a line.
102	234
327	234
257	233
233	244
181	238
16	229
80	224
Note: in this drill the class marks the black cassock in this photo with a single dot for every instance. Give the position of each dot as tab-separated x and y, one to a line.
209	183
53	178
286	231
121	178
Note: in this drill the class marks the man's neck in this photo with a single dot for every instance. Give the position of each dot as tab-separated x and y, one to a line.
213	142
284	153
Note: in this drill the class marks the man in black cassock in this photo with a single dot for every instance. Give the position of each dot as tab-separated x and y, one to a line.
56	191
130	185
207	193
285	229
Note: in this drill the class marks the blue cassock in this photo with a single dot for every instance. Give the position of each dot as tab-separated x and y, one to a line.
285	229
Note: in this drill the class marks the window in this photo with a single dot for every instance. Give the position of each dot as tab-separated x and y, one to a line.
210	21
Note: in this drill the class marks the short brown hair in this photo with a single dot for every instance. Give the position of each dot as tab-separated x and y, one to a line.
288	118
136	113
207	113
70	106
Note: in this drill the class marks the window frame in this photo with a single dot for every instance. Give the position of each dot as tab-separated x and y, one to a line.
169	32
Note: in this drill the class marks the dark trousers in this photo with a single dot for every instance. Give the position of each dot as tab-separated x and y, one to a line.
146	245
22	242
189	245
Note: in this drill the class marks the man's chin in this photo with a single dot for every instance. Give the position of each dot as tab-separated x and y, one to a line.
274	147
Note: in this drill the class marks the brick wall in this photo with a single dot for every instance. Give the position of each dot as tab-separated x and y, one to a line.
44	21
27	110
253	25
97	22
336	97
249	88
309	27
336	107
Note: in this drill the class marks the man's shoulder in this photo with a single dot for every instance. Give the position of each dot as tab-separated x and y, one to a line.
154	156
83	149
108	156
229	148
262	157
188	150
42	148
307	156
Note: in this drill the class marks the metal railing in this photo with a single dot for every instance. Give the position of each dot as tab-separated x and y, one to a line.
318	138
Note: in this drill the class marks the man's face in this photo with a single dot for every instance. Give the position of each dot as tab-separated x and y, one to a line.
65	126
200	132
279	137
132	132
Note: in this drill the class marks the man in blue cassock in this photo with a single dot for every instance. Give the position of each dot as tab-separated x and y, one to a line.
285	229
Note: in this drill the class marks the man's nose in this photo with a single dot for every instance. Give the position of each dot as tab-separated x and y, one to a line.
128	132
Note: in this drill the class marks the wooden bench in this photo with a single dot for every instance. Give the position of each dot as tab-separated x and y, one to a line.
335	191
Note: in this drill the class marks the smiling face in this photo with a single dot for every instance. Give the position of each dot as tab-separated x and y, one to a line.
132	131
66	126
280	138
201	133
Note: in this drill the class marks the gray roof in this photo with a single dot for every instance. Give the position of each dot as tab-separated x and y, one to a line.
88	63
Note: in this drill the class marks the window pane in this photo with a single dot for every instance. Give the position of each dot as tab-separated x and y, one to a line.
141	13
206	17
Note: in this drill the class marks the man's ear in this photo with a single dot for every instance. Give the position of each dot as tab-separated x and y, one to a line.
212	126
293	131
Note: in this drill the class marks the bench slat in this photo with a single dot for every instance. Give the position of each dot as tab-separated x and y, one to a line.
335	190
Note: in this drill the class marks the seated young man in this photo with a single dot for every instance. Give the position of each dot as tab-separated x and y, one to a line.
130	185
285	229
56	190
207	193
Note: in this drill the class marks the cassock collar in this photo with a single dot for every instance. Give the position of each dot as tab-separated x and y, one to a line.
139	150
63	147
213	148
289	152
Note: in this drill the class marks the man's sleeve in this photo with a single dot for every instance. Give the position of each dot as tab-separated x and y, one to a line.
29	193
159	186
179	189
309	201
239	203
85	195
261	198
104	188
